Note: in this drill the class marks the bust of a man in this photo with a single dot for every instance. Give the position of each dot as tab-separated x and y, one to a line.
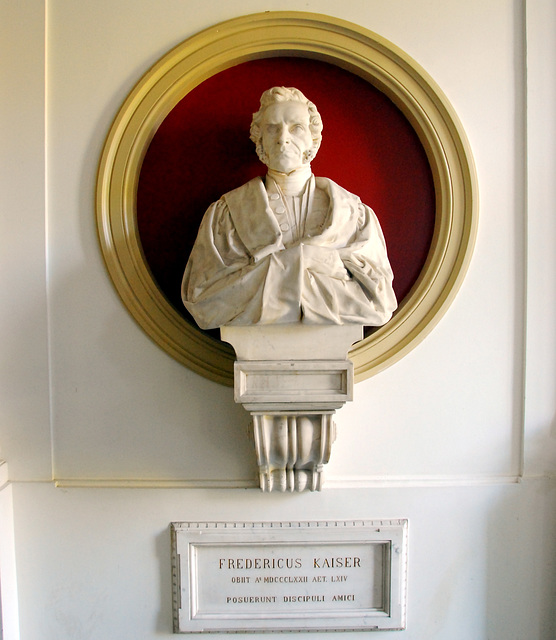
289	247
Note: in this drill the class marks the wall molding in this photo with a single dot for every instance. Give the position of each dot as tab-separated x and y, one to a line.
359	482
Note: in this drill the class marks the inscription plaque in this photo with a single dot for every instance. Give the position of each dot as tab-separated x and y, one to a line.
289	576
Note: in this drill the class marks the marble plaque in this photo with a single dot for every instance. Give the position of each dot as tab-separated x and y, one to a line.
289	576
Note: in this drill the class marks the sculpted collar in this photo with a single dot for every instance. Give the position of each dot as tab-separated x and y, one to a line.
293	183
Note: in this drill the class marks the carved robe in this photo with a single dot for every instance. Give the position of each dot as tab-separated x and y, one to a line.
247	267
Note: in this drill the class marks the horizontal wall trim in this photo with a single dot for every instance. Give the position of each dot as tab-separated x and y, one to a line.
361	482
155	484
419	481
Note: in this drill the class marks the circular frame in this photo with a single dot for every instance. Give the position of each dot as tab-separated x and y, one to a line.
272	34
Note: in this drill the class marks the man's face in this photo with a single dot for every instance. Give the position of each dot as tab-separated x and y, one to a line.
286	135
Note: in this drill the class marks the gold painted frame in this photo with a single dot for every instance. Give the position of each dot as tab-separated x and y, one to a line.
295	34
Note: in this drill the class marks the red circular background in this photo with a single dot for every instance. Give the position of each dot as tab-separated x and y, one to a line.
202	150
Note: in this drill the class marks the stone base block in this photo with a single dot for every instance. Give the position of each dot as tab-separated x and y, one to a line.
291	378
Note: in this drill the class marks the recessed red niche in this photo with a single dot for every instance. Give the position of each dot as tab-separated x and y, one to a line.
202	150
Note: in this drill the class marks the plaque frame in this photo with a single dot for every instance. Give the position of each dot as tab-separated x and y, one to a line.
301	34
222	571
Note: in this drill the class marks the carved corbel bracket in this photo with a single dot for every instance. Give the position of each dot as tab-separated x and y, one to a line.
292	448
292	396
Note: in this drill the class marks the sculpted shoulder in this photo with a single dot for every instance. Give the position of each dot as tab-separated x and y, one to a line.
253	186
334	190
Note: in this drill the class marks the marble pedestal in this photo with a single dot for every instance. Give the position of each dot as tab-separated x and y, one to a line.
292	378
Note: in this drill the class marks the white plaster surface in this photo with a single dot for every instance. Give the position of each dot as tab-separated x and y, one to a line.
96	563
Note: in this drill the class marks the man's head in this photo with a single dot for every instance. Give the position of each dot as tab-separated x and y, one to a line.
287	129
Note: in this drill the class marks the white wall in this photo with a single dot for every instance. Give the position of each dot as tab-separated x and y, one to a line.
95	563
441	437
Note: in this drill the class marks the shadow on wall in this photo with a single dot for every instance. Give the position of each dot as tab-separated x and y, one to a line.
163	552
521	564
124	410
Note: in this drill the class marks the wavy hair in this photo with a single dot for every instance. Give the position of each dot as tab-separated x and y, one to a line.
286	94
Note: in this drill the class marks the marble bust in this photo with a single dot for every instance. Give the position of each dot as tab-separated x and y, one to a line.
288	247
